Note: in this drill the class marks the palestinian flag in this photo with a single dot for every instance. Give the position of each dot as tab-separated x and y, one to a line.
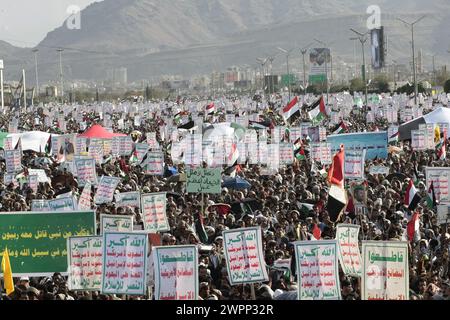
267	124
412	197
442	152
177	118
232	170
431	197
340	128
48	145
211	108
336	172
291	109
394	138
134	154
337	200
413	227
318	112
299	150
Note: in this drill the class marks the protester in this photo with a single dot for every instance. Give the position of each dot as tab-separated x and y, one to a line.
289	206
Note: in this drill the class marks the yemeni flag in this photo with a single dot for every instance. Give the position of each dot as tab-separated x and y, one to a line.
234	154
187	126
441	152
210	108
336	172
412	197
431	197
292	110
340	128
337	200
317	233
412	228
394	138
318	112
48	145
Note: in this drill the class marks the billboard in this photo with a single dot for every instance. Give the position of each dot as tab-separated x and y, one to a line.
320	61
377	47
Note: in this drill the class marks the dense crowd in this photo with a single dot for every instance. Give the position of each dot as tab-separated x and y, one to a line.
272	202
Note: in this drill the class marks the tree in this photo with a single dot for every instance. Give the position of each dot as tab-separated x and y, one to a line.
409	89
447	86
381	84
357	84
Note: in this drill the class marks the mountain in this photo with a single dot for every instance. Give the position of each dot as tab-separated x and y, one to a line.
154	37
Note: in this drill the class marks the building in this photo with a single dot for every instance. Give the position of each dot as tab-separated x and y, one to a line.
117	76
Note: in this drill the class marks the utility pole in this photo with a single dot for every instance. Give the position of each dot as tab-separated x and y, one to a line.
363	39
1	86
303	51
327	47
61	79
35	51
287	67
411	25
24	90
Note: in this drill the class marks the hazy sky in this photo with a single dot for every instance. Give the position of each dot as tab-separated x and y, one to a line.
25	23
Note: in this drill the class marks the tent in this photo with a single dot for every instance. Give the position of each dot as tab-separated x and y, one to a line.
98	132
440	115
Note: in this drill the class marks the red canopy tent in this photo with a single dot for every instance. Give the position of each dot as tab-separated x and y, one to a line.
98	132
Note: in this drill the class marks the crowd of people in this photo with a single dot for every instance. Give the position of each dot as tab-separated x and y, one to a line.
272	202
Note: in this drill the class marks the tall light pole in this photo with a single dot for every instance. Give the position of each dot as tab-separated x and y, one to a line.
363	39
411	25
287	66
35	51
327	47
262	62
303	51
1	86
61	74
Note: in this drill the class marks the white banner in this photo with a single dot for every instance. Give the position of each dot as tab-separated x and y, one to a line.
176	276
125	263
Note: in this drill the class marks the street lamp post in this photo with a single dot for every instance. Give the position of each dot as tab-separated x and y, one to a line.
363	39
303	51
411	25
1	86
287	66
35	51
61	74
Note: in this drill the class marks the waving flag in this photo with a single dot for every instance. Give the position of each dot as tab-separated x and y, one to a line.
318	113
291	109
211	108
7	273
412	197
431	197
336	173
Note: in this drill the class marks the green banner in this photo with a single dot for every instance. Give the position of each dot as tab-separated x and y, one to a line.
37	241
202	180
317	79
